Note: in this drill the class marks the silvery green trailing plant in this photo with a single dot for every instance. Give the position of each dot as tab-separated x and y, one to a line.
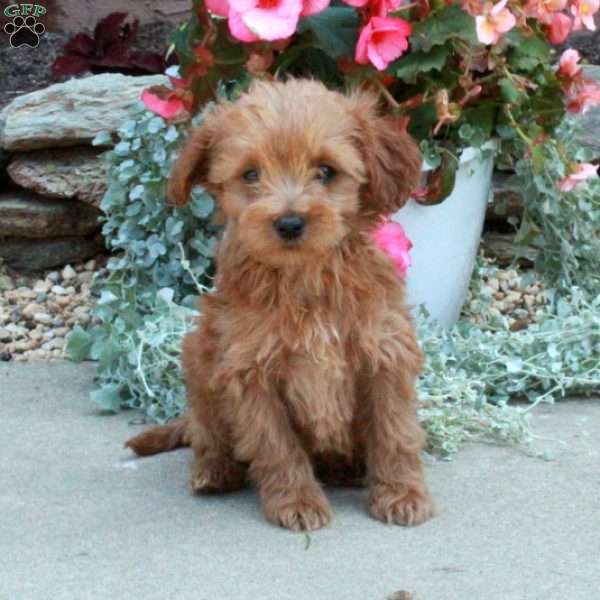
162	259
563	226
162	263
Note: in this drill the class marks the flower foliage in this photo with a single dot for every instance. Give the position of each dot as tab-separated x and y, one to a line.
458	72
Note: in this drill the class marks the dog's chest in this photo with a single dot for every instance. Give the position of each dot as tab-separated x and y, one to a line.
317	384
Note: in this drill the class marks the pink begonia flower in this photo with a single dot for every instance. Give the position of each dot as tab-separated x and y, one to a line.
568	65
542	9
581	172
553	5
495	21
382	40
168	108
218	7
559	28
584	11
270	20
312	7
264	19
379	8
391	238
582	96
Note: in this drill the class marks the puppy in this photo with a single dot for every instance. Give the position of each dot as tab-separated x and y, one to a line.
304	360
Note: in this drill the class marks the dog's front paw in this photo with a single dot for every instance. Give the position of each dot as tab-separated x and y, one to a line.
302	510
400	505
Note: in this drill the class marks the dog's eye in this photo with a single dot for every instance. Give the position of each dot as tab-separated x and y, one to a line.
250	176
326	173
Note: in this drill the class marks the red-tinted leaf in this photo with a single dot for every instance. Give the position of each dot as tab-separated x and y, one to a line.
69	65
149	62
109	29
115	55
129	30
440	182
81	44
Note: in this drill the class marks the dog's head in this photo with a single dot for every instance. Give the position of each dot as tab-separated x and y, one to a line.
296	167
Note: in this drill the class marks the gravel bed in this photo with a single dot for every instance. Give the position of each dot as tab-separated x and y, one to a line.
37	313
516	295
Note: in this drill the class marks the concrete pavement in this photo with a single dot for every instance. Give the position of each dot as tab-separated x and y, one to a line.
81	519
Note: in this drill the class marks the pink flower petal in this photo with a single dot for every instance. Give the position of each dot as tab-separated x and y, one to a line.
218	7
167	109
266	24
486	33
504	21
569	63
390	47
375	58
399	26
242	6
381	41
559	28
581	172
312	7
588	21
238	28
497	8
585	171
391	238
361	55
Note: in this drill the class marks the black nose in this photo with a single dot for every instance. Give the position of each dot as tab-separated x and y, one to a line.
289	227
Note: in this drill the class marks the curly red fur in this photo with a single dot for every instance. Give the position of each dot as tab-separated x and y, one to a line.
305	356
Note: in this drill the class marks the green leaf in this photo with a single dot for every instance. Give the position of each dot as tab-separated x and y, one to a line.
103	138
108	354
482	117
108	397
514	365
538	158
315	63
79	344
336	30
528	51
509	91
202	204
443	25
408	67
122	149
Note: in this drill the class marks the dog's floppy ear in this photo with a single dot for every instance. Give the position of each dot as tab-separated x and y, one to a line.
191	167
392	158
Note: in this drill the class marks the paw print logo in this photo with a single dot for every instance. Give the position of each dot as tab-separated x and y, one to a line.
24	32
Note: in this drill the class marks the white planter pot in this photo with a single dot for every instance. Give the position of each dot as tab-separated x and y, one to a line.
446	239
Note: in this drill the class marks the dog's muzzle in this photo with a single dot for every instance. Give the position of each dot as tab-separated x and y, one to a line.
289	227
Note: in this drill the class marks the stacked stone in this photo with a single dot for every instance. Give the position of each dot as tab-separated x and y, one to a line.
51	178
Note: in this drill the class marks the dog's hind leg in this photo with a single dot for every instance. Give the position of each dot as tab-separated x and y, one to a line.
162	438
215	469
